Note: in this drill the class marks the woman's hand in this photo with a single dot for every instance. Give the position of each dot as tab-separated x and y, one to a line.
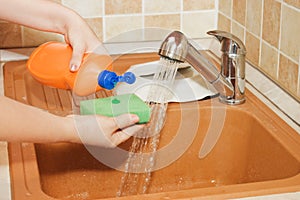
82	39
104	131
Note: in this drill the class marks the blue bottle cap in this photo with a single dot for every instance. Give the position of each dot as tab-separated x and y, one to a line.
128	77
108	79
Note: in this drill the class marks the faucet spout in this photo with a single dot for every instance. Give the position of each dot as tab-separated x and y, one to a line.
177	47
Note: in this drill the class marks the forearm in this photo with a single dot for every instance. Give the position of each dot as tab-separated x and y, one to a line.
20	122
39	14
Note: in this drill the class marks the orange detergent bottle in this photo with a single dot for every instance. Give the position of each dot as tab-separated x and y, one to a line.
49	64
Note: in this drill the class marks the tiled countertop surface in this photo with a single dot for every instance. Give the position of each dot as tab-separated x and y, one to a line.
280	102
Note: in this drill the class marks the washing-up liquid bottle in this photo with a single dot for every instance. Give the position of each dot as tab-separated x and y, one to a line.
49	64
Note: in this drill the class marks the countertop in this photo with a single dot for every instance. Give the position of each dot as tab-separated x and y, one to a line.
266	90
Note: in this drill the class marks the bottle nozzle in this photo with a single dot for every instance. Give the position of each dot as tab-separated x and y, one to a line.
128	77
108	79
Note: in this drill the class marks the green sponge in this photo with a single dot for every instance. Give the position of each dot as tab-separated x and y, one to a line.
116	105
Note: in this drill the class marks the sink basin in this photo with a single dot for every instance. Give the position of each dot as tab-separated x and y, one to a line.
257	153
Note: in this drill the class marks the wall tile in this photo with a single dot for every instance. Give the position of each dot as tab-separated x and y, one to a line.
269	60
10	35
290	30
32	37
198	4
271	22
253	20
122	6
117	26
238	31
288	74
224	23
225	7
96	25
163	21
87	8
158	34
239	11
158	6
196	25
252	45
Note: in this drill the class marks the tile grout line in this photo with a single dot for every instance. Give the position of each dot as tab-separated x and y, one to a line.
298	90
261	32
181	15
143	19
216	13
279	41
103	22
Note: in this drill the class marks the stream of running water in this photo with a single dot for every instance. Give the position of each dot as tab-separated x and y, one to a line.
141	160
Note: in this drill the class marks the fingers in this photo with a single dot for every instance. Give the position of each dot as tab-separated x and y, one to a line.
125	120
123	135
106	131
76	59
126	123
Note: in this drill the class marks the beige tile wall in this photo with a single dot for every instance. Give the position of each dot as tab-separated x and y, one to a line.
270	30
115	20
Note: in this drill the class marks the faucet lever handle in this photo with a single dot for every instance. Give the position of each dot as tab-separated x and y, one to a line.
232	65
229	42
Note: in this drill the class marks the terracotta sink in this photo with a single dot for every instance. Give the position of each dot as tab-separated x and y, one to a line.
257	153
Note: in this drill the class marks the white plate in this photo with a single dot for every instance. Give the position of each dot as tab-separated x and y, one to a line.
188	85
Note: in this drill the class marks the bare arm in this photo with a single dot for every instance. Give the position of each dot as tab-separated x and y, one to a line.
20	122
50	16
23	123
39	14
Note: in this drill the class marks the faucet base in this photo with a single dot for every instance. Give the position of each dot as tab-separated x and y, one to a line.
232	101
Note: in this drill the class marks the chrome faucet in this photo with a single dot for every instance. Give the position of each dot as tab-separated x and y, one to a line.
230	82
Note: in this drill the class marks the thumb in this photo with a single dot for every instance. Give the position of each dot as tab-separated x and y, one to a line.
125	120
123	135
76	58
